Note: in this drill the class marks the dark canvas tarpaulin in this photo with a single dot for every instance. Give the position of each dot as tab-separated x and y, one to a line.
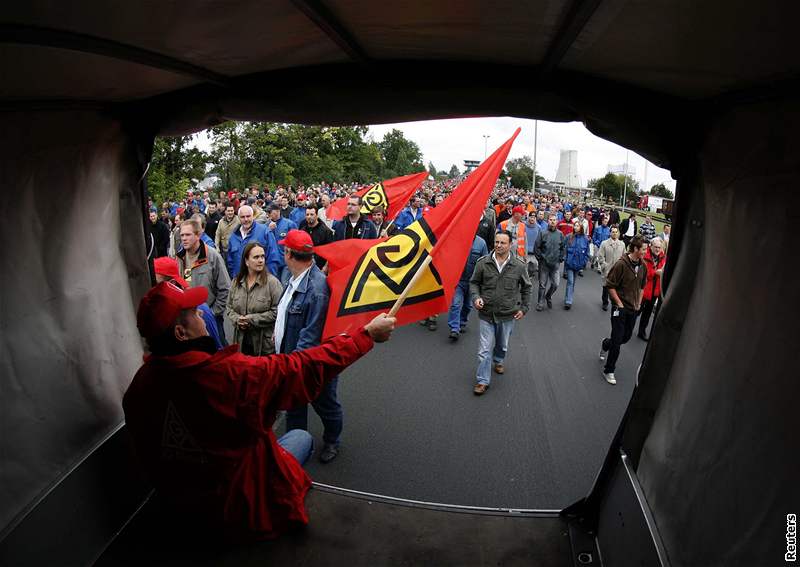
720	465
73	264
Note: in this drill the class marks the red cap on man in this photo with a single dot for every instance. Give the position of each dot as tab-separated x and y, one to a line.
160	307
518	209
299	241
166	266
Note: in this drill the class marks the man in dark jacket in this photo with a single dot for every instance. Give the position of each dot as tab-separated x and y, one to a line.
461	305
550	251
629	228
298	326
318	231
501	292
159	232
354	225
213	216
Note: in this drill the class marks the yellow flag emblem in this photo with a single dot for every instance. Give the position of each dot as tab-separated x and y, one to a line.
375	197
385	270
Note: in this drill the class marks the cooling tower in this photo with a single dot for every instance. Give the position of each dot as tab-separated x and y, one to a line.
568	169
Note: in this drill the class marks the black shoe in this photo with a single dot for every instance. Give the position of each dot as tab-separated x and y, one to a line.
567	307
539	307
453	336
463	330
328	453
432	326
605	307
549	303
580	273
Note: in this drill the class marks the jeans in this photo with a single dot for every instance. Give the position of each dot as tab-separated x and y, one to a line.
493	339
460	307
533	265
299	443
622	323
605	296
548	276
329	411
221	329
570	286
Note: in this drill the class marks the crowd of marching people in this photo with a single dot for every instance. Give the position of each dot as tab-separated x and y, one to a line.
248	247
241	266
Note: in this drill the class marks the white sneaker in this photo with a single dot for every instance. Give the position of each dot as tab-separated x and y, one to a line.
610	377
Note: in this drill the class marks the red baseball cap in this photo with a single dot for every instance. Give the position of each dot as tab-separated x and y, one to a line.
166	266
299	241
160	306
518	209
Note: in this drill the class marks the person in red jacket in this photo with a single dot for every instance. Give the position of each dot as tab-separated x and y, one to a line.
654	260
566	226
201	419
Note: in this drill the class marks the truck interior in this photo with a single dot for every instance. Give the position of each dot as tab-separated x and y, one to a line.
703	469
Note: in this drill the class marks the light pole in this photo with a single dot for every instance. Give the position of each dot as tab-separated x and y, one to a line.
625	185
535	143
485	145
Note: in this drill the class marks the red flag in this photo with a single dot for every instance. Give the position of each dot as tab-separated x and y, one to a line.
392	195
366	277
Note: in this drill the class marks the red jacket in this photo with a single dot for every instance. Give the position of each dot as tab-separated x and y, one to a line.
202	428
566	227
652	287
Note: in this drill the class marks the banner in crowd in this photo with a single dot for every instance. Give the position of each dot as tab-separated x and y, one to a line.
392	195
366	277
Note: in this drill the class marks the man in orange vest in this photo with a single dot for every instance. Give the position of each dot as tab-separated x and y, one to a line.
516	227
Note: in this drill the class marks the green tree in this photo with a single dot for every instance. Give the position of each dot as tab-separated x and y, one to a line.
400	156
432	169
612	186
172	166
660	190
454	171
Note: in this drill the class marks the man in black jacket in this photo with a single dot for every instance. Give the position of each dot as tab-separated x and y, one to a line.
159	232
319	232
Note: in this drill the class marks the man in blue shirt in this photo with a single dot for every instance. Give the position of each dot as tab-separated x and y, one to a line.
250	231
412	213
532	229
280	227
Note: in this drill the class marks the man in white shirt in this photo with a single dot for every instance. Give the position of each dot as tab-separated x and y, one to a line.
298	326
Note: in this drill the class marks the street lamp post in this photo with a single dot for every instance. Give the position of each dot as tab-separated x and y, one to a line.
535	143
485	145
625	184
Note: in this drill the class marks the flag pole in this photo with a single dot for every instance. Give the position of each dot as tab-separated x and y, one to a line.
397	304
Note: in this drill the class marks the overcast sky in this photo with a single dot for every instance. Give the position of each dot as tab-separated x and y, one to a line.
448	142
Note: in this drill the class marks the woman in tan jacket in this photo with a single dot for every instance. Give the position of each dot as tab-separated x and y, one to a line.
253	303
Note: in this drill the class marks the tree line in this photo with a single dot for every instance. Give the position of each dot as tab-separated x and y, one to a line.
244	154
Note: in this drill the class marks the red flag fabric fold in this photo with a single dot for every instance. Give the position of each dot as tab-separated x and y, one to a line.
392	195
367	276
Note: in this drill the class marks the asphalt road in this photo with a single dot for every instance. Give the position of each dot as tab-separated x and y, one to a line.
536	439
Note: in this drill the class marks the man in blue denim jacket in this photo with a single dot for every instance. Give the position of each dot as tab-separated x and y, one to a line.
300	320
461	305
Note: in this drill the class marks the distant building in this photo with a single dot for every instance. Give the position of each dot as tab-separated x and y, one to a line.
567	173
